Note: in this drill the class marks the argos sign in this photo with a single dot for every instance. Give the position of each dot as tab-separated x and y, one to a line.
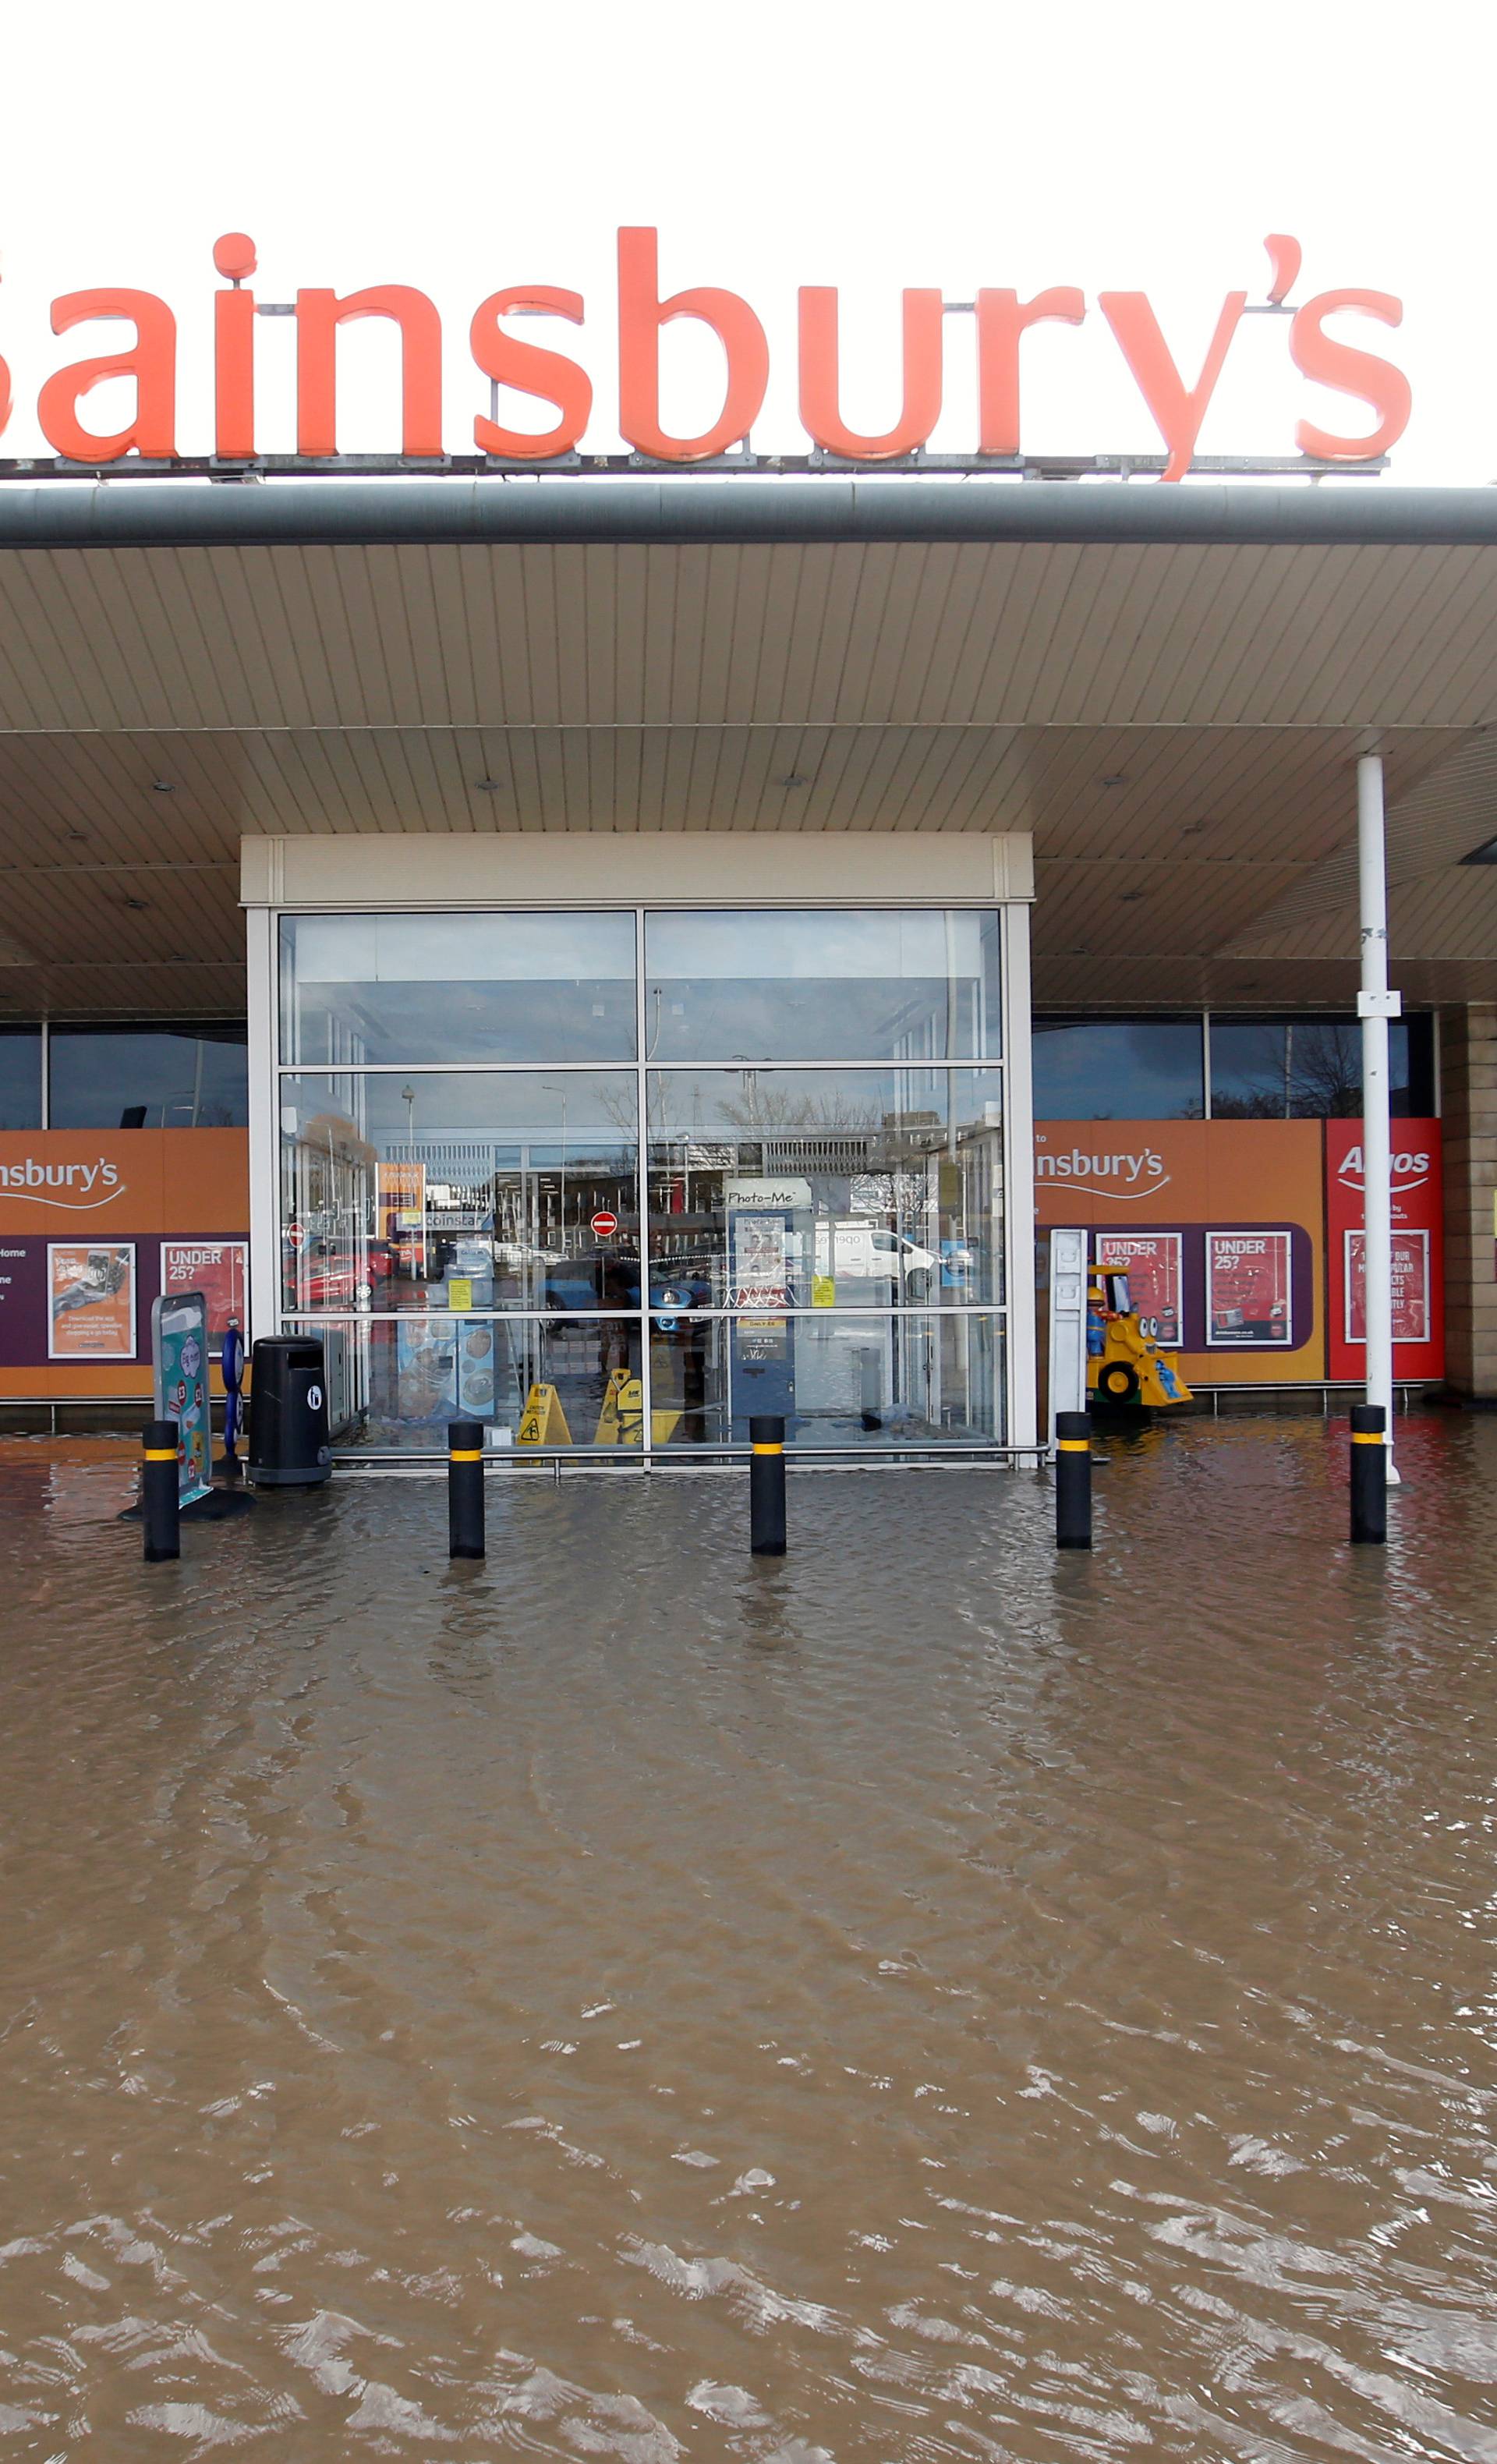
1409	1169
1417	1254
1178	397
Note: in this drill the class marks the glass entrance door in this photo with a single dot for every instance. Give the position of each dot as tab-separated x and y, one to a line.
618	1179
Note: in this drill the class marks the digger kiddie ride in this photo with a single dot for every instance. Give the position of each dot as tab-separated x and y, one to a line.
1125	1362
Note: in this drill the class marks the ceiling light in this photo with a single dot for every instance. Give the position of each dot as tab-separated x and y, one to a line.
792	779
137	902
1115	779
489	786
163	787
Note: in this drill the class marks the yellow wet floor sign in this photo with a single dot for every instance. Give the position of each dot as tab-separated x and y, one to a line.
543	1422
621	1420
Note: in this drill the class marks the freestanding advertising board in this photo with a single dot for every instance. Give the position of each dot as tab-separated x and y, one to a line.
179	1366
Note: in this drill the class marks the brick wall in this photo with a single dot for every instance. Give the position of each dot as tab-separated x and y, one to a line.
1469	1102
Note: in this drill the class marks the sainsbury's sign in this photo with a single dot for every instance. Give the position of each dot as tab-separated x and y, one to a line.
1177	398
81	1187
1138	1173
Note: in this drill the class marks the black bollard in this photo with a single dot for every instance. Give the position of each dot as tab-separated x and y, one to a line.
1368	1473
465	1489
1072	1481
767	1486
160	1484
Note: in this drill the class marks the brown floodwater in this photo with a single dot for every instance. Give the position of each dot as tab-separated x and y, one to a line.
927	1998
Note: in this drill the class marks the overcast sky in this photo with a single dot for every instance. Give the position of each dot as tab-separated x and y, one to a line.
870	147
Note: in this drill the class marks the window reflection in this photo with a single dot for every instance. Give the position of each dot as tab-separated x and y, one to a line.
445	988
863	1189
1308	1069
152	1078
20	1078
1118	1069
469	1191
401	1382
838	1380
823	986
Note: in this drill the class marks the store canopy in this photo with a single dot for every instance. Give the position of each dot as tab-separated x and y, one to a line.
1169	687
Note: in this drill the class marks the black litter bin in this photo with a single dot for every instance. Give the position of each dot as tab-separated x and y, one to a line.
289	1445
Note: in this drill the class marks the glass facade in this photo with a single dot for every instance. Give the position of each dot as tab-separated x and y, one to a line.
1307	1069
20	1078
613	1178
1118	1069
1261	1068
146	1077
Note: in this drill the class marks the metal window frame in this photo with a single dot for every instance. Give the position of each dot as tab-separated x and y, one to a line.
269	1067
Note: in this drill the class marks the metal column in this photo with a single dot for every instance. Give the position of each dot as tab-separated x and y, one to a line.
1375	1006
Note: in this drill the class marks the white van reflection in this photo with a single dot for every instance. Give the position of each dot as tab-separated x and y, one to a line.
846	1250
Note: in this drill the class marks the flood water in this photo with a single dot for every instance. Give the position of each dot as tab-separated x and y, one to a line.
930	1998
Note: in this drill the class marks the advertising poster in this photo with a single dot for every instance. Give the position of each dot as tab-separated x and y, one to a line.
401	1211
118	1198
426	1370
1248	1297
1416	1207
218	1270
91	1300
1193	1181
1410	1311
760	1263
179	1351
1152	1263
475	1363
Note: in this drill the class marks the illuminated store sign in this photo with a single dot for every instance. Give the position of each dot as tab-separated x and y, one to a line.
1177	398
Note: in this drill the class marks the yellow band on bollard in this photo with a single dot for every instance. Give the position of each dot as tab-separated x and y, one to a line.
472	1454
766	1450
160	1454
1368	1438
1074	1445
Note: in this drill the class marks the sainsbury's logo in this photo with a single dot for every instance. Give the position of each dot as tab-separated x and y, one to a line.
80	1187
1124	1177
1407	1171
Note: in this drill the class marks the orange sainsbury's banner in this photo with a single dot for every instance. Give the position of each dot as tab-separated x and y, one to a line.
1178	391
90	1222
1219	1223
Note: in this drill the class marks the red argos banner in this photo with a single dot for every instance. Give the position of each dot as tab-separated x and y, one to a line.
1419	1296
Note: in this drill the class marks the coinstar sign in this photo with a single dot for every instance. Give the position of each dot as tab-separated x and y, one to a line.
179	1368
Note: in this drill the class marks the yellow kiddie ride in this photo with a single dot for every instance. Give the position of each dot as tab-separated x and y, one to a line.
1124	1361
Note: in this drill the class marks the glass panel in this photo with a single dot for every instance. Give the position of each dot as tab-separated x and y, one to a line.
476	1191
872	1382
152	1078
1118	1069
20	1078
400	1382
408	988
915	985
840	1188
1305	1068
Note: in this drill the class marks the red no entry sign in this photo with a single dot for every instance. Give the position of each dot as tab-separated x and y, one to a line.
603	1224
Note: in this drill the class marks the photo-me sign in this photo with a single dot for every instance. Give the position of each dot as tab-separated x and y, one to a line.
549	389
